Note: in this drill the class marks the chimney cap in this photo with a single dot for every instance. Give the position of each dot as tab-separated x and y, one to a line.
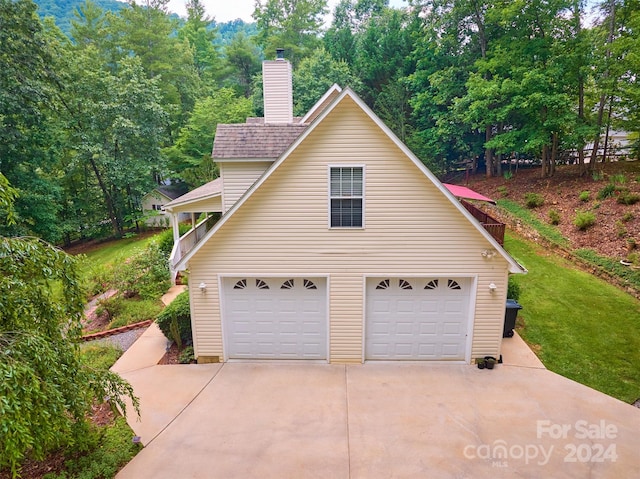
279	53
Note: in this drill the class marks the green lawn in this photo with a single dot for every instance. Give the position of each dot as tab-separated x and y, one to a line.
580	326
116	250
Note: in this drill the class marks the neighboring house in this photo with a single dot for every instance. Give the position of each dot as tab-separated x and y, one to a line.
335	244
153	204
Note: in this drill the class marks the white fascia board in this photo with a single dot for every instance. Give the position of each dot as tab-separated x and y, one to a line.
335	88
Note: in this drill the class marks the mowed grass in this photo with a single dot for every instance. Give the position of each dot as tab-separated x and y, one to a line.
580	326
116	251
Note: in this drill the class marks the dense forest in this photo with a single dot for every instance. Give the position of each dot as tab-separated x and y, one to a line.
92	119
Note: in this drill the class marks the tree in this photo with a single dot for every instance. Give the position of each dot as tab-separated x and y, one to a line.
201	35
294	25
190	156
46	391
116	128
147	32
382	53
349	18
315	75
242	63
626	48
28	133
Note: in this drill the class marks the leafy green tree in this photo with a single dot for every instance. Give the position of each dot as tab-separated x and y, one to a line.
46	390
190	156
201	35
315	75
382	53
147	31
350	17
28	134
116	129
89	26
294	25
242	63
627	48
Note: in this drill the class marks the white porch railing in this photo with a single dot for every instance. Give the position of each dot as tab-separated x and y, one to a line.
190	239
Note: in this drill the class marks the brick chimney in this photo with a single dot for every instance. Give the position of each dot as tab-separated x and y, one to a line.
277	88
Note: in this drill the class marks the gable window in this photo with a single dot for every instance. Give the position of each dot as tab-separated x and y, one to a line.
346	197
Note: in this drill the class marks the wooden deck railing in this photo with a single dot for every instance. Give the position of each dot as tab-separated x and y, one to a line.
492	225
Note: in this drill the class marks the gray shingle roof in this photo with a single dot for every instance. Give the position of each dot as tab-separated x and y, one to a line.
250	140
209	189
173	191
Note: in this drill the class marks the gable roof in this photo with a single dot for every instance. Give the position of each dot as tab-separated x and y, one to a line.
170	192
515	267
211	189
254	140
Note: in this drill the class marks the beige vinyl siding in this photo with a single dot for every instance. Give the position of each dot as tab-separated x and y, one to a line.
278	91
238	177
411	229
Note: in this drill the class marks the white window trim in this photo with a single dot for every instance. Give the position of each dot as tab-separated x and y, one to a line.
364	195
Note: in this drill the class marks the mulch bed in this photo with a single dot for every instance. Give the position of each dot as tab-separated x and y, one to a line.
172	356
608	236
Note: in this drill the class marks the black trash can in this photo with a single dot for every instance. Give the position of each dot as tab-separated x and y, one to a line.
510	314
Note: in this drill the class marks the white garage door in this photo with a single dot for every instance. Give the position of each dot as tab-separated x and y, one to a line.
417	318
275	318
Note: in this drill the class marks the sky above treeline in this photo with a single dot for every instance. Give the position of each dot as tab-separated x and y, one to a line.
227	10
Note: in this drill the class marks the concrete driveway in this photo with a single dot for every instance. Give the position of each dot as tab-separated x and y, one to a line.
261	420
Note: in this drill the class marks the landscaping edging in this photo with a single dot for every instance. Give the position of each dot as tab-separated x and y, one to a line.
111	332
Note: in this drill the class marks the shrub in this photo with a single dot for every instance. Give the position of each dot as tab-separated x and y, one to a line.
619	179
109	450
110	306
165	239
186	356
513	289
135	310
628	216
97	280
100	356
584	220
627	198
503	191
620	229
597	175
507	175
179	312
533	200
607	191
549	232
554	217
145	274
584	196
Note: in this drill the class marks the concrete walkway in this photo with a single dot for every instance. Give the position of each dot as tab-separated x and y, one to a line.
377	420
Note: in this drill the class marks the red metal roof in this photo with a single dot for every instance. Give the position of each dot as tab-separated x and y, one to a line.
467	193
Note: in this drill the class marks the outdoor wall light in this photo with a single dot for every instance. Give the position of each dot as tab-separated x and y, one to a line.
488	253
203	287
492	287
